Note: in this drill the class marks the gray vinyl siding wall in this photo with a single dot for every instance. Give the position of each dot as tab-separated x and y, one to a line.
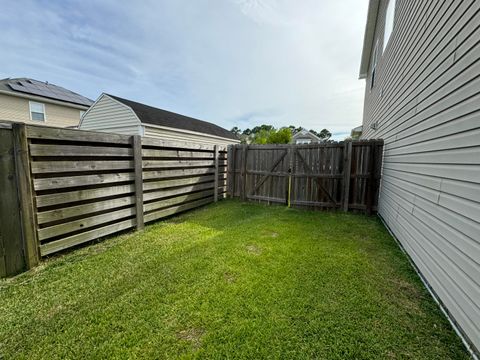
426	103
109	115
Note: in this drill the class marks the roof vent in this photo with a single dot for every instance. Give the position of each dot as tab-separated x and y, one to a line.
19	83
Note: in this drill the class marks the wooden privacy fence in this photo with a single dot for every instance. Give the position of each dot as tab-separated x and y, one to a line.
61	187
343	175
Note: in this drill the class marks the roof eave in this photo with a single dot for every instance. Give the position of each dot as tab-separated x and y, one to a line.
369	37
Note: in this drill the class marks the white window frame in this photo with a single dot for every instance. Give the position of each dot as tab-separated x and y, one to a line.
303	142
389	22
30	103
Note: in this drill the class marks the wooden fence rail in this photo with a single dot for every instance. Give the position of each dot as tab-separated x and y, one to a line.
343	175
70	186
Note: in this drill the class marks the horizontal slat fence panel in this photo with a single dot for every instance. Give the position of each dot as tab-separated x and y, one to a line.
343	175
86	185
179	176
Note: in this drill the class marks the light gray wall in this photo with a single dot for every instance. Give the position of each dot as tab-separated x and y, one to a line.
426	103
109	115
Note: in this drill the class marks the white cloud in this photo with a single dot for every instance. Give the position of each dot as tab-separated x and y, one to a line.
237	62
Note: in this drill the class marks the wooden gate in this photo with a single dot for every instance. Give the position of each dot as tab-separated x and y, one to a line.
342	175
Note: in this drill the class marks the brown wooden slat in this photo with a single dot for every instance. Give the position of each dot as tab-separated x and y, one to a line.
78	150
174	210
82	195
152	185
45	132
163	174
85	223
166	153
176	200
84	209
155	164
45	167
65	243
171	192
82	180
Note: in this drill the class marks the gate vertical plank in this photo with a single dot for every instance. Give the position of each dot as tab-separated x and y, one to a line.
25	192
290	188
347	165
371	176
215	182
137	159
243	188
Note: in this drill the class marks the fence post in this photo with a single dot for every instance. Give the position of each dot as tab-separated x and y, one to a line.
347	165
290	172
138	166
371	176
215	182
25	194
243	189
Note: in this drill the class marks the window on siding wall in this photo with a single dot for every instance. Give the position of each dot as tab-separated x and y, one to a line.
374	66
37	111
389	22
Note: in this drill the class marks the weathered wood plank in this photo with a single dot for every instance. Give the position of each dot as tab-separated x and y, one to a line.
150	142
50	133
25	192
243	176
81	195
82	180
84	209
266	198
78	150
12	260
165	174
45	167
177	209
177	200
215	195
153	185
347	165
65	243
181	163
137	159
85	223
164	153
175	191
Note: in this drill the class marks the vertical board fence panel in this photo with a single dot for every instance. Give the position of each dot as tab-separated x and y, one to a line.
76	186
341	175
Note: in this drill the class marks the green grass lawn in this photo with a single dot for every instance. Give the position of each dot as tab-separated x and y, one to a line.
231	280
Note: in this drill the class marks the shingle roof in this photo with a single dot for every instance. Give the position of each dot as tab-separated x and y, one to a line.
151	115
43	89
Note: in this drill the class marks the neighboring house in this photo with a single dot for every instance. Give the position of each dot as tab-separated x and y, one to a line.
305	137
356	133
40	103
113	114
421	64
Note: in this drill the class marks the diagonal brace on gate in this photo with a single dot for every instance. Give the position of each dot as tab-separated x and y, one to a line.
265	177
309	171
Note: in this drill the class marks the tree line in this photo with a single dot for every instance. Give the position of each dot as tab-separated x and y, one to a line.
268	134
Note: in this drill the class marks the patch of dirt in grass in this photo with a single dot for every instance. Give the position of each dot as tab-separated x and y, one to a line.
192	335
274	234
406	294
229	277
253	249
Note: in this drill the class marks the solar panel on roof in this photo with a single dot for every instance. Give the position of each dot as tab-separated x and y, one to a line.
48	90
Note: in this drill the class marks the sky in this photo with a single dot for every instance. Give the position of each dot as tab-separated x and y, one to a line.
231	62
